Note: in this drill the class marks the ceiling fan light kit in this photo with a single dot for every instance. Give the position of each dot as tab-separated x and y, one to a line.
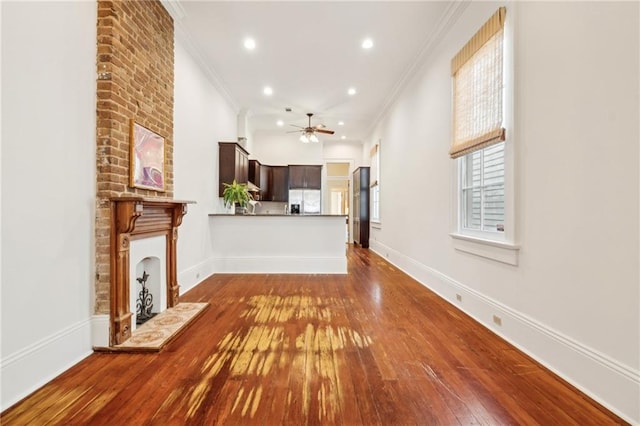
309	137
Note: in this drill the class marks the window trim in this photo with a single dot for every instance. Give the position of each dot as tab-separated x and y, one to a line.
375	154
375	221
491	249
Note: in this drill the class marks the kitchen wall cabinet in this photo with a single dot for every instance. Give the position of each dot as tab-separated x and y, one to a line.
305	177
259	176
233	163
265	182
360	206
254	172
279	184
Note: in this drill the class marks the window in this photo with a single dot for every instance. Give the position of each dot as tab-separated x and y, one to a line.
482	189
375	183
484	202
375	203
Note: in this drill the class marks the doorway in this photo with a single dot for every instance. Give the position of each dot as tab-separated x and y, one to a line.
337	190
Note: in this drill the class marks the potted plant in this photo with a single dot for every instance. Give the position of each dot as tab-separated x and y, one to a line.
236	194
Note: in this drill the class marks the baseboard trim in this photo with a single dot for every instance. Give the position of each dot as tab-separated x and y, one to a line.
194	275
100	330
281	265
609	382
28	369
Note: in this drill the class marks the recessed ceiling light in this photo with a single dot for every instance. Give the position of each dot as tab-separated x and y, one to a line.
249	43
280	123
351	91
267	91
367	43
343	137
340	123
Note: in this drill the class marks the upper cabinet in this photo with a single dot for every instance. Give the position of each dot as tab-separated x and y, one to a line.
305	177
260	175
233	163
279	184
254	173
265	182
274	181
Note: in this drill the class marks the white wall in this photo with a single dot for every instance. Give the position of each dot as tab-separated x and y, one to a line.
344	151
573	300
202	118
278	148
48	190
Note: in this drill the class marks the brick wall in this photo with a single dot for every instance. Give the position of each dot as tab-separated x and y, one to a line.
135	81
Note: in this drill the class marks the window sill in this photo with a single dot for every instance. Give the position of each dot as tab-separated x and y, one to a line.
489	249
376	225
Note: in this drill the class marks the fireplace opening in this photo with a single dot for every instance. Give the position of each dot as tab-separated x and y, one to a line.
147	292
144	304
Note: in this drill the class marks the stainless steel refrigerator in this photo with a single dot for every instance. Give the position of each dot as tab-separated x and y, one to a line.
310	200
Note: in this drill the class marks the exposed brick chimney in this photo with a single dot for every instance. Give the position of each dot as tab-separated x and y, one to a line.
134	81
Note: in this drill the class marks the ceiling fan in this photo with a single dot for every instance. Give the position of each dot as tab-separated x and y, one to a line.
309	133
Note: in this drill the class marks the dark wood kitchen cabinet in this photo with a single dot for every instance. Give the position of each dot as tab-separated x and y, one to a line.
279	184
360	207
254	172
265	182
233	163
259	176
305	177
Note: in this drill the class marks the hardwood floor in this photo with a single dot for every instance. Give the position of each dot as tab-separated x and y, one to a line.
373	347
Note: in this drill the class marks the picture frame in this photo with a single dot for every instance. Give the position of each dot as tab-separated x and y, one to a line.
147	158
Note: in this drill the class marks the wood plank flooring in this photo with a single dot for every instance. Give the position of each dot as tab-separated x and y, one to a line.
373	347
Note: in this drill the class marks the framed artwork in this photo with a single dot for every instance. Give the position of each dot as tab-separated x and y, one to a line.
147	159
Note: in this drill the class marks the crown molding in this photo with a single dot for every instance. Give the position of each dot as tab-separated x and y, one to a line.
177	12
447	19
175	9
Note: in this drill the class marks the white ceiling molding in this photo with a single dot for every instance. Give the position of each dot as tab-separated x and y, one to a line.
448	18
181	34
175	9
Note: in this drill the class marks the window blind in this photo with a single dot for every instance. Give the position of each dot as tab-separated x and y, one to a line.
478	86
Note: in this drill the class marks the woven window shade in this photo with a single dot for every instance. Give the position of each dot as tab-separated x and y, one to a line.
478	85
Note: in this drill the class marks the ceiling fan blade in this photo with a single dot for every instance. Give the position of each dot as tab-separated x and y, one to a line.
294	131
308	131
328	132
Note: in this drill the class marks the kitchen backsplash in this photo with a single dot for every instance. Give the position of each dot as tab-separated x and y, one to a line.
271	207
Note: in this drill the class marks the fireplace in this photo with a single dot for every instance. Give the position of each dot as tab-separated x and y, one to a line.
147	279
144	233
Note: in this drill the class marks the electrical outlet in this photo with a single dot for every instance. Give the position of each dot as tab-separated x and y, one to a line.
497	320
458	297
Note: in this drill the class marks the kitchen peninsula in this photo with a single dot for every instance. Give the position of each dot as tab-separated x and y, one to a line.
279	243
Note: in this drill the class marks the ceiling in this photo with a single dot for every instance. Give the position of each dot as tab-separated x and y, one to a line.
310	53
